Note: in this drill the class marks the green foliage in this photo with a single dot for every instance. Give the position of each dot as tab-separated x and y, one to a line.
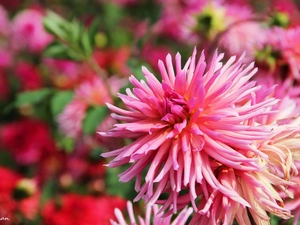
59	101
73	40
66	143
94	117
32	97
114	187
48	191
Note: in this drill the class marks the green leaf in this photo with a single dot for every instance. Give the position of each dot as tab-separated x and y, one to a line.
76	30
59	101
55	27
93	118
32	97
86	44
93	30
56	50
48	191
115	187
75	55
66	143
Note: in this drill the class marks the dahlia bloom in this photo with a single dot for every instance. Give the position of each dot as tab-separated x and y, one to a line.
294	204
28	31
93	92
70	120
287	42
211	19
255	187
157	217
198	120
4	22
244	36
29	141
12	207
28	76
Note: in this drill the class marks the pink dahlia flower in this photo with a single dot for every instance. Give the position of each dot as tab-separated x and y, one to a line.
195	121
93	92
4	22
294	204
70	120
157	218
28	31
288	43
211	19
244	36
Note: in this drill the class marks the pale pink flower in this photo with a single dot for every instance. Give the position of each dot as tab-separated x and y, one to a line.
294	204
185	127
242	37
256	187
28	31
288	108
93	92
152	217
70	120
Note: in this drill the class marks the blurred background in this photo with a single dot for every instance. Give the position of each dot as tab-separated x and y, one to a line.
62	60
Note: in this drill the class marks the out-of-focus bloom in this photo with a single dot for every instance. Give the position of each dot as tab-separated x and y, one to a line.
170	25
64	73
289	9
77	210
152	54
70	120
28	76
193	123
28	31
113	60
6	57
8	182
153	216
4	22
287	110
11	203
29	141
243	37
208	20
287	42
93	92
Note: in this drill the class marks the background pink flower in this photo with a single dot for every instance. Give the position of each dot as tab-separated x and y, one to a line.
70	120
28	31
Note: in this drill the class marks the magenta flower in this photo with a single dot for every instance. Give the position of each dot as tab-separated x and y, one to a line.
153	216
186	128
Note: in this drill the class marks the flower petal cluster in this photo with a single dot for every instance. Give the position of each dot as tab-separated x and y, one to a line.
152	214
195	135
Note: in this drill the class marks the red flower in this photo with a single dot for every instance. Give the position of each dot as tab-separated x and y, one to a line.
29	141
77	210
28	206
28	76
